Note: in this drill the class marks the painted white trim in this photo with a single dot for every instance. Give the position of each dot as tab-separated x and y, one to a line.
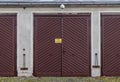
95	29
32	42
25	32
96	43
74	12
56	12
17	15
105	11
24	38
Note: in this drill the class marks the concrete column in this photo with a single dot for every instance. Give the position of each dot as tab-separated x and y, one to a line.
95	44
24	43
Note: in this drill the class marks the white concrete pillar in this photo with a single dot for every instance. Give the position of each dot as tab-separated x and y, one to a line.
95	43
24	41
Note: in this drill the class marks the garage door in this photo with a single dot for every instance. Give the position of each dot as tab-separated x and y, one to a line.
110	45
62	45
47	54
7	45
76	45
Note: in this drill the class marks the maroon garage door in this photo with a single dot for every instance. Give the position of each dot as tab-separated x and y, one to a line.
110	45
62	45
7	45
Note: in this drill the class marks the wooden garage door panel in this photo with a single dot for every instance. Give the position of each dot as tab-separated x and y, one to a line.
76	45
47	54
72	56
7	45
110	45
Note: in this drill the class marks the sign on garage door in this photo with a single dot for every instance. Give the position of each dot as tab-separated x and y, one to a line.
62	45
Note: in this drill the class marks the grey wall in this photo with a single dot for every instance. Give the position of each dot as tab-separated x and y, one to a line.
25	33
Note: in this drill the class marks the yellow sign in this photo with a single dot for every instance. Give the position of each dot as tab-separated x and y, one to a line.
58	40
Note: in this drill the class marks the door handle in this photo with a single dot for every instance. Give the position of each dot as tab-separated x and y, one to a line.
64	51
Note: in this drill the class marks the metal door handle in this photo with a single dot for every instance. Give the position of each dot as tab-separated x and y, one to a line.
96	61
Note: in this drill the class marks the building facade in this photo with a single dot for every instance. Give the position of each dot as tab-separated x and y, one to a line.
41	39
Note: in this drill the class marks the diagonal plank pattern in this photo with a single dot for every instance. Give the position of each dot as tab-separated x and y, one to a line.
110	45
76	41
47	58
72	56
7	45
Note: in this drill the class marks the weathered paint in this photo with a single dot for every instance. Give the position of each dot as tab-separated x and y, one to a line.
72	56
25	33
8	41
